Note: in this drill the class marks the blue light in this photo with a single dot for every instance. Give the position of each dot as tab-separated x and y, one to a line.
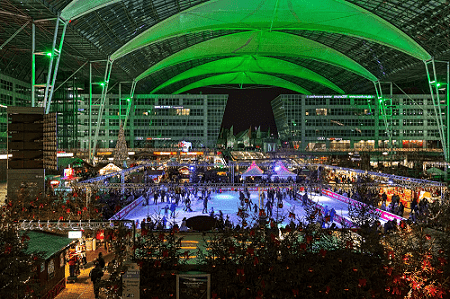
225	196
277	168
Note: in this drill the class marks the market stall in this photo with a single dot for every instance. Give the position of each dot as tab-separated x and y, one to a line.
110	168
281	172
51	268
253	171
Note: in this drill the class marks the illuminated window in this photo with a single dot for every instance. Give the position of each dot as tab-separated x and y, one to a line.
183	111
321	111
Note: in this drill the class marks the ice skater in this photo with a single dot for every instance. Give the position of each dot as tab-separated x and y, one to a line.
173	206
205	205
269	208
164	222
166	210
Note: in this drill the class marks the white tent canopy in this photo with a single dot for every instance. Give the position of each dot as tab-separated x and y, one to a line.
253	170
110	168
282	172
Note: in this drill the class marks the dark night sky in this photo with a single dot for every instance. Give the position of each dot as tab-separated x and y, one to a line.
247	107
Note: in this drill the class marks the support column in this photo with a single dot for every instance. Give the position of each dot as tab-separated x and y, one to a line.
101	108
50	66
130	103
90	114
33	64
434	92
382	110
55	72
130	108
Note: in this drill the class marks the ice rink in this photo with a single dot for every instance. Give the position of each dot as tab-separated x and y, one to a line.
228	202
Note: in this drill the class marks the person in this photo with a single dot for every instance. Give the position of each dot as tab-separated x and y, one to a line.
305	199
100	260
326	211
188	206
332	214
164	222
73	261
384	196
413	204
401	209
96	276
228	222
166	210
205	205
383	205
173	207
183	227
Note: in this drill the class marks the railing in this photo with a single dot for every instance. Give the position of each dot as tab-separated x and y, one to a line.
124	212
337	217
383	214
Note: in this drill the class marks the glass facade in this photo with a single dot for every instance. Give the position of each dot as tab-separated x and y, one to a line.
356	121
13	92
155	120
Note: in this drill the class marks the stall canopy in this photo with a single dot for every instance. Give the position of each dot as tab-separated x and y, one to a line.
282	172
253	170
64	162
435	171
110	168
46	243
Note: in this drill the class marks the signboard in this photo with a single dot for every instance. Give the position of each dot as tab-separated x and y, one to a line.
194	286
131	281
77	234
340	96
68	172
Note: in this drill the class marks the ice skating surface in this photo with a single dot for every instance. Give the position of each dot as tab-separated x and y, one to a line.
228	202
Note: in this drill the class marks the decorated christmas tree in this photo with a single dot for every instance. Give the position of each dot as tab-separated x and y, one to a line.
121	150
19	268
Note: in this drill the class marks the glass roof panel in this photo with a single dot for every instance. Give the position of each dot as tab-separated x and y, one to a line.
324	15
262	43
241	78
248	63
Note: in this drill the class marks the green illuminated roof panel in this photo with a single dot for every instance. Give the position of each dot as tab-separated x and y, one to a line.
248	63
262	43
336	16
241	78
78	8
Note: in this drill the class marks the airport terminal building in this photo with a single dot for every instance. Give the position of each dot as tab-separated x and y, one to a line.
333	122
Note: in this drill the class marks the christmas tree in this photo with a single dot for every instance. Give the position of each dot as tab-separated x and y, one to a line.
19	268
121	150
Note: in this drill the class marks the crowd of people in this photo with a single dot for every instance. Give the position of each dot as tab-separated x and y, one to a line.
176	196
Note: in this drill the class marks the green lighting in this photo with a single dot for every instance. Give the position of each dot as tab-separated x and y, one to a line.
438	84
128	99
102	84
49	54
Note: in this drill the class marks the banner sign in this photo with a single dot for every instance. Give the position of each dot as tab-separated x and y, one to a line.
131	282
194	286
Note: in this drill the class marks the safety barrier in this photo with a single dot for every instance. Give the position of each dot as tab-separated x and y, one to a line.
383	214
123	212
337	218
